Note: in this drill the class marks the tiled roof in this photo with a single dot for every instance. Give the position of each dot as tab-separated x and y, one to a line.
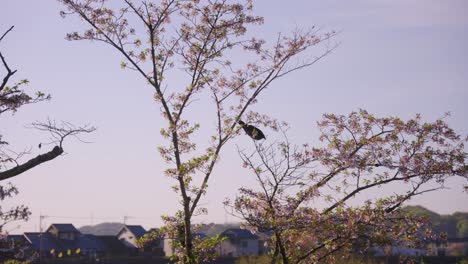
89	242
199	235
83	242
44	241
137	230
65	228
451	240
16	238
112	244
237	233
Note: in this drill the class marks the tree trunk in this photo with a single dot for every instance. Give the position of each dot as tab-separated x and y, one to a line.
281	248
189	257
275	254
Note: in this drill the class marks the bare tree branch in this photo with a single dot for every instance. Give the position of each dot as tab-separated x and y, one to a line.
59	133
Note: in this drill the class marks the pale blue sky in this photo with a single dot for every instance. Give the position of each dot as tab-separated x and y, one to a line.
397	57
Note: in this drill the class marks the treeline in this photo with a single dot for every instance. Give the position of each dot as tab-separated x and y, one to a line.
455	225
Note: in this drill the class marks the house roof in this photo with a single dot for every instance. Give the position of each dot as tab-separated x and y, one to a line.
137	230
237	233
199	235
44	241
112	244
89	242
165	235
451	240
47	241
265	235
458	239
16	238
64	228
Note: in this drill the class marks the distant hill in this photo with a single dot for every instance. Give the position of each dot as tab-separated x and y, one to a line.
103	229
455	225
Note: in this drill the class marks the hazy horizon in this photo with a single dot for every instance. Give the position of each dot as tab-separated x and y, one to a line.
147	227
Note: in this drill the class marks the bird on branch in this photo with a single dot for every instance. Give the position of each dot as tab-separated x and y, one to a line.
252	131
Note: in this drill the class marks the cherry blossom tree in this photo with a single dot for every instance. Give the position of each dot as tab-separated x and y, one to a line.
188	51
311	198
10	249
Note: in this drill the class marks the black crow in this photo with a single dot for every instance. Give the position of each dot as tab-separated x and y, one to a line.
252	131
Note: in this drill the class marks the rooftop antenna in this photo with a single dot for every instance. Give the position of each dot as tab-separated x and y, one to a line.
125	218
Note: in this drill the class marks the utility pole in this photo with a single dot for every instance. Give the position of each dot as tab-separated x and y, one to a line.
41	217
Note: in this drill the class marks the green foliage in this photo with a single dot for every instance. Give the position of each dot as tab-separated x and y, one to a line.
358	259
148	239
454	225
462	228
12	261
13	97
253	260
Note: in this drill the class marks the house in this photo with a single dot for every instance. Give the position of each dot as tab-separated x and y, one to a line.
10	245
41	242
65	239
112	245
263	237
448	247
68	239
63	231
154	245
167	243
16	239
129	235
239	242
88	245
13	241
398	250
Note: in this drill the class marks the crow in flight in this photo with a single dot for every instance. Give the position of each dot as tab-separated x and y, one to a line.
252	131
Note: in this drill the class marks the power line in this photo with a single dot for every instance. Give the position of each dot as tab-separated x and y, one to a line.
125	217
82	217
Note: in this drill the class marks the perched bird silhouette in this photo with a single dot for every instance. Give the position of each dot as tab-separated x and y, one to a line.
252	131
